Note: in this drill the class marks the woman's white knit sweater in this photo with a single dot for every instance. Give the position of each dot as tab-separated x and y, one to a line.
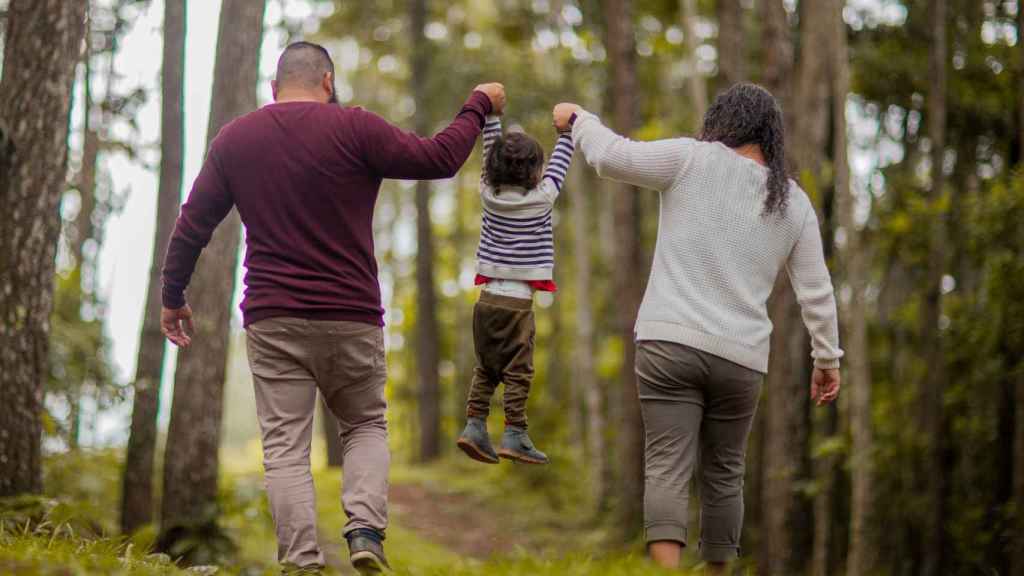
717	254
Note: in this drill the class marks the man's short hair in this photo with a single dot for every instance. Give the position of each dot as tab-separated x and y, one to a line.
303	64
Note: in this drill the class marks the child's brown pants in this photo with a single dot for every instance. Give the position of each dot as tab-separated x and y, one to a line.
503	331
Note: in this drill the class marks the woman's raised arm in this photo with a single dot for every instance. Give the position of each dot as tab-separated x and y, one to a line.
651	165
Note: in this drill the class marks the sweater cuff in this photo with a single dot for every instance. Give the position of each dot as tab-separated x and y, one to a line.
172	298
826	363
582	116
480	103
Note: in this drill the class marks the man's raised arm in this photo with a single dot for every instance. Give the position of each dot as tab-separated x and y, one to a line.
395	153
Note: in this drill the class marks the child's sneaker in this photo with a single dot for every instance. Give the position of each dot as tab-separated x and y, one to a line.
475	442
516	445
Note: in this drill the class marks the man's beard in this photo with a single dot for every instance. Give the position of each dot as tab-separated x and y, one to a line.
334	95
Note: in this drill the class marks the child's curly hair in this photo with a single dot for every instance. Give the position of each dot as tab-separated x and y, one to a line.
515	159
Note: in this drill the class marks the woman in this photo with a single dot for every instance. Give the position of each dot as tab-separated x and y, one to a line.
730	222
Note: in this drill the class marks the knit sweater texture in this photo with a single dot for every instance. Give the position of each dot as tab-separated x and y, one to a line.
718	254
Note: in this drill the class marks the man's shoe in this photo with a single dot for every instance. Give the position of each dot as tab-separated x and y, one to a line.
366	552
475	442
516	445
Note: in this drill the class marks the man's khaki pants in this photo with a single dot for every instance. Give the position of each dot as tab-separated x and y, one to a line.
290	358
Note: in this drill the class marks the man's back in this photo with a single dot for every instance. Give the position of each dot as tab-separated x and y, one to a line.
306	196
305	177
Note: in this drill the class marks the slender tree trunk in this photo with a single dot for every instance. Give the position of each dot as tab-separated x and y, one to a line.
776	465
464	356
1017	561
427	331
931	340
137	493
784	531
732	62
584	346
854	255
622	58
43	40
193	437
695	83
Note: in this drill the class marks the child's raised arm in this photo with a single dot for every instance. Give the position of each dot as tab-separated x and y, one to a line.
558	166
492	131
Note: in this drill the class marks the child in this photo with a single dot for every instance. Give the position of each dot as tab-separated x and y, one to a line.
515	257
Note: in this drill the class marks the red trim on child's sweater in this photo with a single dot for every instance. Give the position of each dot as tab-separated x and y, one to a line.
539	285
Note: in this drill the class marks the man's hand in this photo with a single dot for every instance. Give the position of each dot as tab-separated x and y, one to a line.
824	385
561	115
496	92
177	325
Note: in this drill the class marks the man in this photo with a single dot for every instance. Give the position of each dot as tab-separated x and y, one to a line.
305	175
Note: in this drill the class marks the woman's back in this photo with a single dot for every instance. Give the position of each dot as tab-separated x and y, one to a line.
718	252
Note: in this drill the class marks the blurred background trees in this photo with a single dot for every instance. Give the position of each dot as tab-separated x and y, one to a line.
905	123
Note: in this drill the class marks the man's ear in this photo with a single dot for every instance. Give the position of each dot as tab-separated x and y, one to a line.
273	89
328	85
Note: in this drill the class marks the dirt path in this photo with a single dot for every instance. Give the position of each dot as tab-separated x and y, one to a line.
462	523
456	521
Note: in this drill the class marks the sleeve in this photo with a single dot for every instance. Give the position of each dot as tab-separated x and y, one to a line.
651	165
558	165
492	131
813	287
208	203
394	153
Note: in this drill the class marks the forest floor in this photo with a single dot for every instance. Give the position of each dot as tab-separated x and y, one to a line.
450	519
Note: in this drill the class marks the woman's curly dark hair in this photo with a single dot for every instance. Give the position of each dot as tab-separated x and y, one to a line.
515	159
749	114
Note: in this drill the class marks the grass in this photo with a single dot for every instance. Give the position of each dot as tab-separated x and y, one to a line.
73	535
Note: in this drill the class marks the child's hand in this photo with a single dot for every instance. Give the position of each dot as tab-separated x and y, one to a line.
562	114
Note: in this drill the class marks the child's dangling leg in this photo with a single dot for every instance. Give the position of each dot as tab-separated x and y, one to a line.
518	375
474	440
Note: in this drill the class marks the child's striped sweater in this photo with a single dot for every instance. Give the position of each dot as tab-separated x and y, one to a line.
516	233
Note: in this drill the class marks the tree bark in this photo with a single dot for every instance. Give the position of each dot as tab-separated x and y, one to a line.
137	493
1017	383
695	82
191	459
43	40
731	44
787	381
427	331
583	373
933	386
622	59
855	259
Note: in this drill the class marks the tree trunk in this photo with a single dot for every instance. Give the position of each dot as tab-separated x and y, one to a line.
43	40
856	262
191	459
137	493
583	374
783	530
775	483
694	79
933	386
427	331
622	58
1017	557
731	44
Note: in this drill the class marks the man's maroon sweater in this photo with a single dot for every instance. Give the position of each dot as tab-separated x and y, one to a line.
305	178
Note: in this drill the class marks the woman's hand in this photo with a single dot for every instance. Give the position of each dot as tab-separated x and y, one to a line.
824	385
562	114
